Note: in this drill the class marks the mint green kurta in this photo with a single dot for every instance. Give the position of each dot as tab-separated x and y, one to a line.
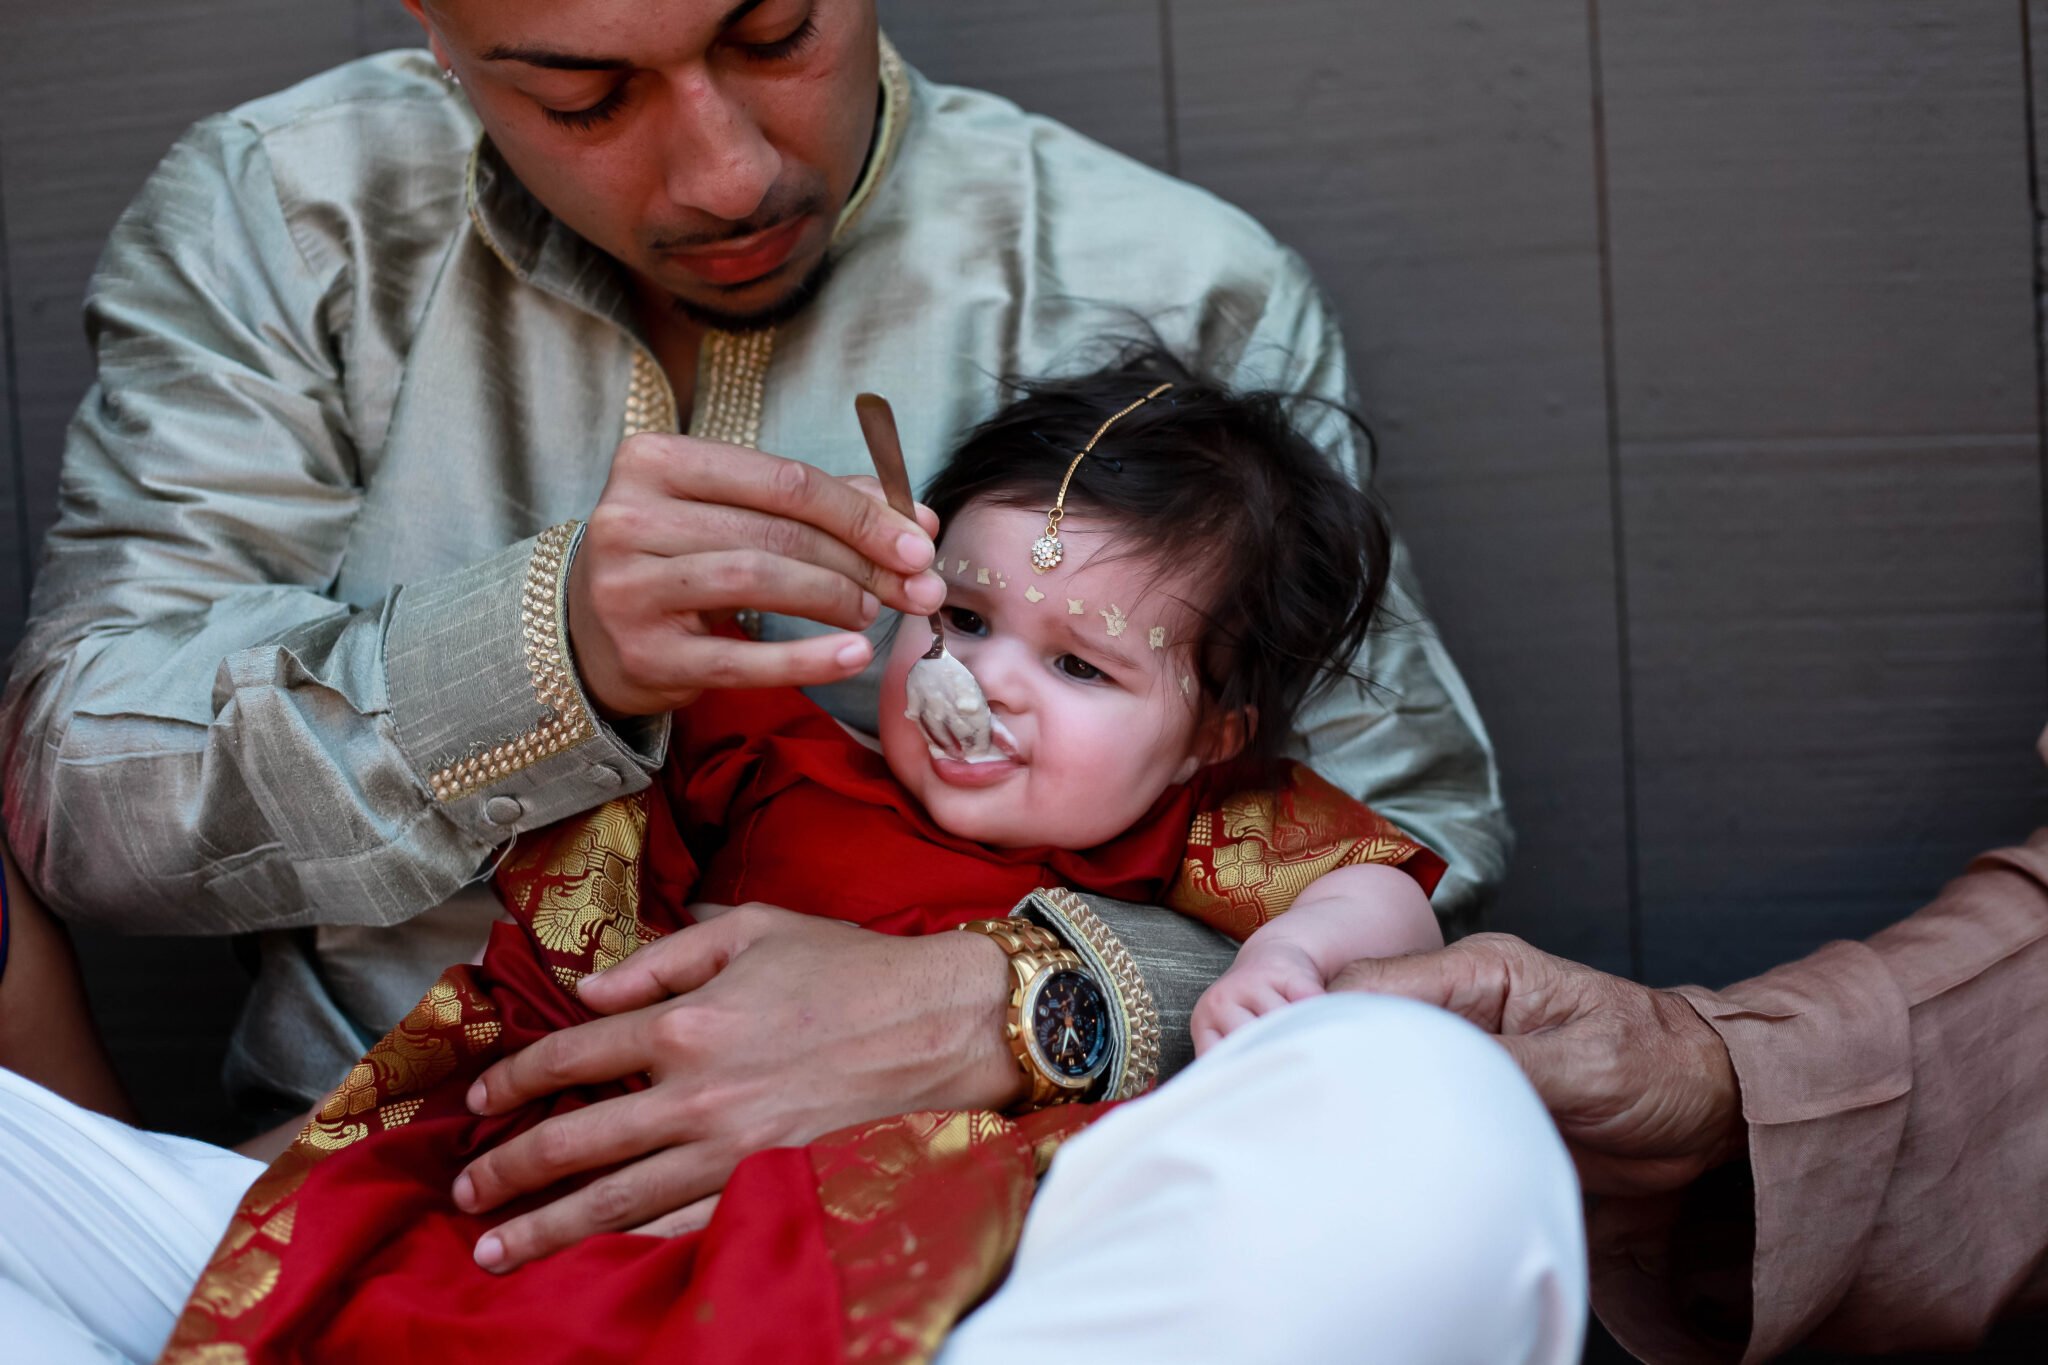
293	662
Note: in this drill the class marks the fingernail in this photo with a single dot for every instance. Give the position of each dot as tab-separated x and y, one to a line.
915	549
925	592
853	654
465	1193
490	1252
870	606
476	1098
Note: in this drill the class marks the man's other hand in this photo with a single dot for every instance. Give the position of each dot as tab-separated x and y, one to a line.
687	532
1640	1085
758	1029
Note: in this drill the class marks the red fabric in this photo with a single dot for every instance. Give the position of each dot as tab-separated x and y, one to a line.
782	806
350	1249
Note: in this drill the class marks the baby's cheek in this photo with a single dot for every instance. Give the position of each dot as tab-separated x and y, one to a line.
901	741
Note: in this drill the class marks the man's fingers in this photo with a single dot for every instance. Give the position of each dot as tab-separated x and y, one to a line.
583	1054
698	471
629	1197
601	1134
705	663
691	1218
871	486
673	965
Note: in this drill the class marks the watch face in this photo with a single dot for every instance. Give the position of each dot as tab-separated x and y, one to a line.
1070	1024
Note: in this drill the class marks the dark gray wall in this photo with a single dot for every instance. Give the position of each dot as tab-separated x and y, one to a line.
1702	340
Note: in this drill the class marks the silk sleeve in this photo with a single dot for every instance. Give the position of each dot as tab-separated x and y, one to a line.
199	738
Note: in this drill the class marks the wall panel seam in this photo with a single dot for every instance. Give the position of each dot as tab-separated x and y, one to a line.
1167	93
2032	114
10	377
1598	92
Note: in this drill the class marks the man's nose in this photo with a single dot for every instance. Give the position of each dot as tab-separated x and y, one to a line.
717	159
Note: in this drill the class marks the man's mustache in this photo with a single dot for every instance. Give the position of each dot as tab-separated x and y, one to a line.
774	214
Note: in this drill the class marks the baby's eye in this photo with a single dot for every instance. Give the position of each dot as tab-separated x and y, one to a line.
1074	666
965	621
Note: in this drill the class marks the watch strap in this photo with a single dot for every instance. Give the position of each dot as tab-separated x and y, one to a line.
1134	1026
1031	951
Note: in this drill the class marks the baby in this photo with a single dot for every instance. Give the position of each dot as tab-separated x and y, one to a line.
1148	575
1214	573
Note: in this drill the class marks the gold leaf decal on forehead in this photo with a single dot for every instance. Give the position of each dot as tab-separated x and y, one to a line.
960	568
1075	606
1115	619
1033	595
1158	637
1002	582
1187	686
981	575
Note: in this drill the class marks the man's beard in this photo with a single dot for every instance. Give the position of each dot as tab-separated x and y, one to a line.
760	319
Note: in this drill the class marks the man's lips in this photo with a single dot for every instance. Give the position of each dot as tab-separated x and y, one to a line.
744	259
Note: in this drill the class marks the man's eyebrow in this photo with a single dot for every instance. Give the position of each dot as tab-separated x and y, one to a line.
579	61
555	61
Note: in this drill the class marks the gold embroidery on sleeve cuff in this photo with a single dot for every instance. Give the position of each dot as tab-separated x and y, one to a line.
565	721
1084	932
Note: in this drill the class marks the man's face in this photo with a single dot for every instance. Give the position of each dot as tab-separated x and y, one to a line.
708	145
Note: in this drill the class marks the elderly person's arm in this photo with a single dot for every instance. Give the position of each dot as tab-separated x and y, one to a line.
1888	1097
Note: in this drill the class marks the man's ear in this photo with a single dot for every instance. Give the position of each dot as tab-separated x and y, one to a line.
1219	737
418	10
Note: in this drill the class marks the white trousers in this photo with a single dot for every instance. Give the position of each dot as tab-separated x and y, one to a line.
1349	1179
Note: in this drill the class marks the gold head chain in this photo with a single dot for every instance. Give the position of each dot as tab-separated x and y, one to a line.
1046	551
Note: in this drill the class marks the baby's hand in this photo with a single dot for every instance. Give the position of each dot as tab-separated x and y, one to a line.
1264	977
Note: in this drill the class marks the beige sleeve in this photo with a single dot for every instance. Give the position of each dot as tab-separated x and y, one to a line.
1896	1193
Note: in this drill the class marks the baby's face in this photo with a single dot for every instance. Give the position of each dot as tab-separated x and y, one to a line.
1088	666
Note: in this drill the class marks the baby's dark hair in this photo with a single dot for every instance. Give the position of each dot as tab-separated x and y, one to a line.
1296	555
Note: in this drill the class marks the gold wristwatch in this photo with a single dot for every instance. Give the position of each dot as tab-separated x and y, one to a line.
1058	1024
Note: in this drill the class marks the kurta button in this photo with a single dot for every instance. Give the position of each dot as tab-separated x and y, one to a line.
605	775
503	810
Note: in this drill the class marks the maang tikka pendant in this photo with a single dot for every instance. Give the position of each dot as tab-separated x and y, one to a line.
1047	550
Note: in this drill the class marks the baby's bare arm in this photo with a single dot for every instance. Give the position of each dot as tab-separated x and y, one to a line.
1354	912
1365	911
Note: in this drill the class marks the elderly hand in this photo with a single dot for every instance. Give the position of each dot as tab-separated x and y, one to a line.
1640	1085
760	1028
689	531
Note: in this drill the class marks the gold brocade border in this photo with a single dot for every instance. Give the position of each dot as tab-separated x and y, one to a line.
385	1090
565	719
1083	931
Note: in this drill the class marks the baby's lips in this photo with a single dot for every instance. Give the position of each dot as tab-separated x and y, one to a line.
1005	742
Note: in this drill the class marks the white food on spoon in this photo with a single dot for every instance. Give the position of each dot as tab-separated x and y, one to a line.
1002	746
947	704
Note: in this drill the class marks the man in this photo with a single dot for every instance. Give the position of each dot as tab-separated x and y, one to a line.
318	633
1851	1150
